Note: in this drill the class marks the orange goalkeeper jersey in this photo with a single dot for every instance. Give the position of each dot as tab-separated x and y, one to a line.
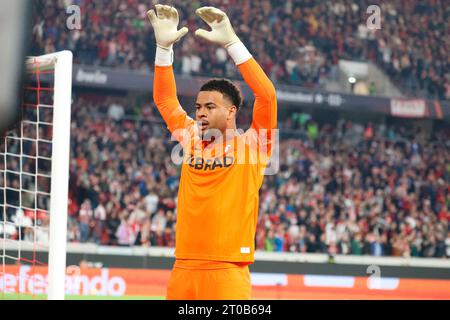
218	192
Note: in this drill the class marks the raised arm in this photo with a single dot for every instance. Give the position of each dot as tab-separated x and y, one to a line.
165	24
222	33
166	100
265	106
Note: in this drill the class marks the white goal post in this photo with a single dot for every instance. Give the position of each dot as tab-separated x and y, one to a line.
60	175
56	138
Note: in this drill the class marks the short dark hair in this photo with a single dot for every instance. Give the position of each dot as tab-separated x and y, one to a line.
225	87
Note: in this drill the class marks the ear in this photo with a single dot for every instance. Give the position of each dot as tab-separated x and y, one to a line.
232	112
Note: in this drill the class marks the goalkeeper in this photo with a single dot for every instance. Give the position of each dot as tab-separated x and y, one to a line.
218	192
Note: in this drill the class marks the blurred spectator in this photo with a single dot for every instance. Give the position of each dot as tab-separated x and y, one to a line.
125	233
447	245
99	223
116	111
85	216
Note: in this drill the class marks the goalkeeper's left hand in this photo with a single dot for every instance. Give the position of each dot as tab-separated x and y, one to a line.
165	24
222	32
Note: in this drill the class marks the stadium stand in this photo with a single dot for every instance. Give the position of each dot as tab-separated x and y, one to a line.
343	187
297	42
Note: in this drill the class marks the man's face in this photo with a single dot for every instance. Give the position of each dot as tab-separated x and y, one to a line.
213	111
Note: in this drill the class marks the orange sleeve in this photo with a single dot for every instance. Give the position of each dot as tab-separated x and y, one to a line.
165	97
265	107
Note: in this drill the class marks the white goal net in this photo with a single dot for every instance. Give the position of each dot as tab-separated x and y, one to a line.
34	179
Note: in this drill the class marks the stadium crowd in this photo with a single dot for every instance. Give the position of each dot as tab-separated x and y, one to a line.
345	188
297	42
342	188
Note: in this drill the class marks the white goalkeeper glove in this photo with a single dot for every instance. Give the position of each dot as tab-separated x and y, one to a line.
222	32
165	24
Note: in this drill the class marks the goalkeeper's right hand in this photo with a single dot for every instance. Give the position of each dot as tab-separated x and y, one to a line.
165	23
